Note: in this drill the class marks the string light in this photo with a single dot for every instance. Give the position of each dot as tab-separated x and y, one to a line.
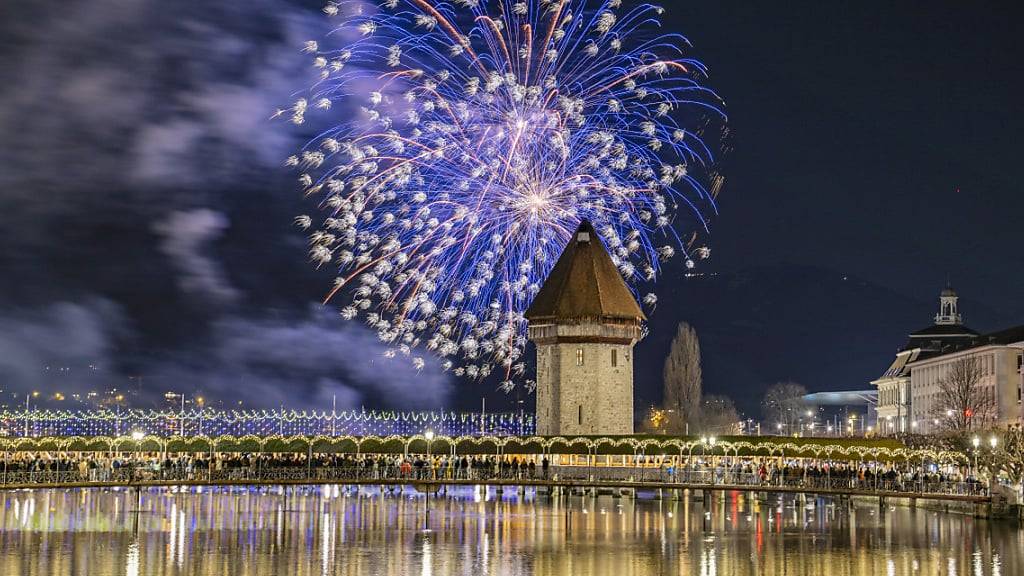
211	422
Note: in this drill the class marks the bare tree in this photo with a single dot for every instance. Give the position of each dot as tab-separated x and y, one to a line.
963	403
718	415
782	404
1009	457
682	376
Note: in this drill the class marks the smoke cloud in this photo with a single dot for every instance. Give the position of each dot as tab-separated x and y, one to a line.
185	237
138	150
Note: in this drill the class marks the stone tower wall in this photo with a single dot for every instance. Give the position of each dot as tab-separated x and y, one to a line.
584	378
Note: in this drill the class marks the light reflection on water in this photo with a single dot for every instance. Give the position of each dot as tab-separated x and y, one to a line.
334	530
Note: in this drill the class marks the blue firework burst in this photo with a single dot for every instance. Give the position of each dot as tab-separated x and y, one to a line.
464	141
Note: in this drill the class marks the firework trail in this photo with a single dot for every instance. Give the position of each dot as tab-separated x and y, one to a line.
485	131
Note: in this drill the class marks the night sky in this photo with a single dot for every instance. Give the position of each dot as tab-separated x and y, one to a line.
146	222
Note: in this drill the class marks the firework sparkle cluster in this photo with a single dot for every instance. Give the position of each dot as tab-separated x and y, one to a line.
460	144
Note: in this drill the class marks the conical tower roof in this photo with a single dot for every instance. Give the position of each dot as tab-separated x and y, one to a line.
584	285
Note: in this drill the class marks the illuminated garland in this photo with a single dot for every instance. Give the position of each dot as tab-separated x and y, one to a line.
209	421
492	444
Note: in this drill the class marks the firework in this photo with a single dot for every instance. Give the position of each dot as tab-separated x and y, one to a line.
465	142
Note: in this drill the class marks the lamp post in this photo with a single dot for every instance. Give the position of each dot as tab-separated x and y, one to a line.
429	435
181	412
976	442
703	450
993	442
35	394
137	436
711	442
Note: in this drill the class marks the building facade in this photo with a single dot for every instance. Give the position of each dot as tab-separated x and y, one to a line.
910	395
584	322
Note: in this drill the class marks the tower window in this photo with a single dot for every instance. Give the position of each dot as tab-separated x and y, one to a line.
615	357
579	356
581	414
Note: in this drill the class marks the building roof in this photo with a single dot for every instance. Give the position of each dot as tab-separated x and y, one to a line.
944	330
1006	337
584	285
1009	336
948	335
938	337
898	368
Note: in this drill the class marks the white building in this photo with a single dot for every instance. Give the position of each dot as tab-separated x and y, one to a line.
584	321
909	394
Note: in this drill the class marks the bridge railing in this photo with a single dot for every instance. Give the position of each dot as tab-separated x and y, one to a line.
723	477
566	474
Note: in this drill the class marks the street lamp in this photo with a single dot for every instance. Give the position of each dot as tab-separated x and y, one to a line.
993	441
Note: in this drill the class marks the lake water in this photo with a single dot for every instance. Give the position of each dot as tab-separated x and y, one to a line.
334	530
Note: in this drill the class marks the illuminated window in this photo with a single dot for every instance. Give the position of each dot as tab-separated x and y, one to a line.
579	356
615	357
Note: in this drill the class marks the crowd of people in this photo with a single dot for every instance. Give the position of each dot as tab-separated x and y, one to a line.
822	474
88	467
25	467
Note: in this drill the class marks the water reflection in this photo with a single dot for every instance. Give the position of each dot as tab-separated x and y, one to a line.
335	530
